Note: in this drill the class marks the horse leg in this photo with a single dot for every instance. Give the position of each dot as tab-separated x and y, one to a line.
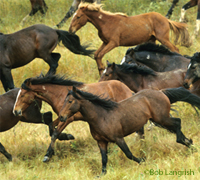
198	20
7	79
141	133
103	149
5	153
123	146
43	8
169	13
186	7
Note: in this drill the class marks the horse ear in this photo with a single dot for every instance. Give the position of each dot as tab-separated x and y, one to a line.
108	63
74	89
113	66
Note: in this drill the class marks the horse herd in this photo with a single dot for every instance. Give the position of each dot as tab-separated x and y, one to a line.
119	104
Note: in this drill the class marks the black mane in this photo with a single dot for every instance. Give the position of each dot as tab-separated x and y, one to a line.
152	47
105	103
50	79
139	69
196	57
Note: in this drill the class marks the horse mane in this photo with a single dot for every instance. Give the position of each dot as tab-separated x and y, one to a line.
98	8
105	103
149	46
134	68
50	79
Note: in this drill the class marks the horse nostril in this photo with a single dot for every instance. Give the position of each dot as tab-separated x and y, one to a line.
17	113
186	85
62	119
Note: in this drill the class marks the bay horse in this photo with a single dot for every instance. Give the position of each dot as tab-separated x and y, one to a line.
37	41
36	5
53	90
30	115
157	57
72	10
185	7
111	121
117	29
192	77
138	77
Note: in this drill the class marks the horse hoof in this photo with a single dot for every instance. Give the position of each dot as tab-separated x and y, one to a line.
9	157
46	159
70	137
64	136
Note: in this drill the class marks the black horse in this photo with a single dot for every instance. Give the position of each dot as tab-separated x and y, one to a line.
185	7
157	57
37	41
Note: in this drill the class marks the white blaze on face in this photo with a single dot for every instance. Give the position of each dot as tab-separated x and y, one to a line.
75	14
104	71
122	61
16	100
189	66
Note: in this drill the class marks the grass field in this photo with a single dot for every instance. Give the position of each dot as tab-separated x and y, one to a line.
80	159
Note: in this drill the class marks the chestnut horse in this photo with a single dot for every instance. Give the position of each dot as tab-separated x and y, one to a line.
155	56
53	90
138	77
30	115
185	7
111	122
120	30
37	41
192	77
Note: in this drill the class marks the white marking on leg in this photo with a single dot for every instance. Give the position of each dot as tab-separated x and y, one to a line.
197	27
182	18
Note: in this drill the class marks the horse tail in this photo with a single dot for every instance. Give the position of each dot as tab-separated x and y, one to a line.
181	33
72	42
182	94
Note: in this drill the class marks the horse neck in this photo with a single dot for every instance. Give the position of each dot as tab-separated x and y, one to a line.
54	95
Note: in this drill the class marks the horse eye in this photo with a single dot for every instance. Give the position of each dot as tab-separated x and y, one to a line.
106	74
78	17
70	101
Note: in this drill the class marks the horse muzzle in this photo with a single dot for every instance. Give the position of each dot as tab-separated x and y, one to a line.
17	112
62	118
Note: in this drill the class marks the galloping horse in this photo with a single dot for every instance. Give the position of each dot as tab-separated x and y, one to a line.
192	77
138	77
120	30
111	122
155	56
53	90
185	7
30	115
37	41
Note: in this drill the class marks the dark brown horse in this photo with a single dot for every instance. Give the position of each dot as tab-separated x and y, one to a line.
138	77
73	8
120	30
192	77
155	56
37	41
53	90
30	115
185	7
111	122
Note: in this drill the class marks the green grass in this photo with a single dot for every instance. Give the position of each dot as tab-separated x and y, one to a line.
80	159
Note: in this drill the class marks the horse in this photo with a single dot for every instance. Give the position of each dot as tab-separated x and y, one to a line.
155	56
117	29
138	77
72	9
36	5
37	41
53	90
111	121
30	115
192	77
185	7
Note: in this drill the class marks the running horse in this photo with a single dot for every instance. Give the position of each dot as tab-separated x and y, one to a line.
37	41
139	77
117	29
156	56
53	90
111	121
30	115
185	7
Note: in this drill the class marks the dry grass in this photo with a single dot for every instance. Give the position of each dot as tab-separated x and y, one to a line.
80	159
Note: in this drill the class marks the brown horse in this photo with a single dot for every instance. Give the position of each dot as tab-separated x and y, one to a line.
138	77
120	30
111	122
37	41
53	90
30	115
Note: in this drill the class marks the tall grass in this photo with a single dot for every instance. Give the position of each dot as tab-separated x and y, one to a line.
80	159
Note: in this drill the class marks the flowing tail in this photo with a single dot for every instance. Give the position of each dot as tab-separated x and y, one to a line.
181	33
72	42
182	94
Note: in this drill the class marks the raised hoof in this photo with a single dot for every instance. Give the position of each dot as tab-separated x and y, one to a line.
46	159
64	136
9	157
141	160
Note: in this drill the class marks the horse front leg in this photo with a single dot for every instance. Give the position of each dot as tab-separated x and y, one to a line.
7	79
169	13
5	153
197	20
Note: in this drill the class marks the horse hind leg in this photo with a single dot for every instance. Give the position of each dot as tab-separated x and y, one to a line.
5	153
7	79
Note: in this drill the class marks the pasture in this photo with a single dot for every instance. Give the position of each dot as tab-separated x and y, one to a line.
80	158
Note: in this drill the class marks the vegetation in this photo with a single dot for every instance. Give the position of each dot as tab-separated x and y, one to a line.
80	158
